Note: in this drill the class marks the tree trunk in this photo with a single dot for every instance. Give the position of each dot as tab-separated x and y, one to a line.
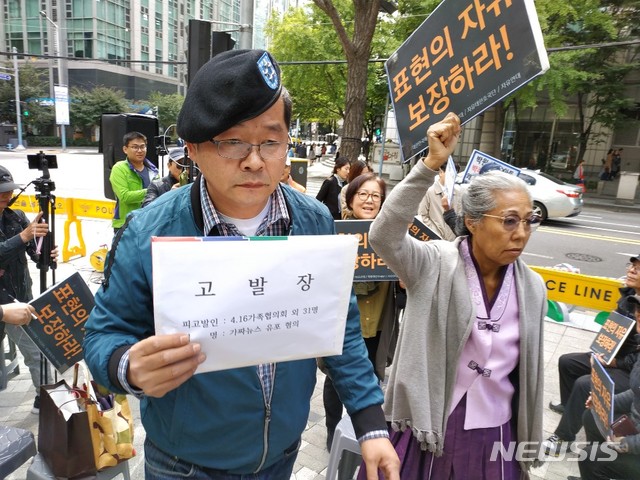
355	101
357	50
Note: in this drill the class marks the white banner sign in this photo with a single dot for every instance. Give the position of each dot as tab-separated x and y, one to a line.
254	300
62	104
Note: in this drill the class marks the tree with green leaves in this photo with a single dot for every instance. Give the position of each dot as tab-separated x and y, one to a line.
320	91
591	79
33	87
168	108
87	106
354	23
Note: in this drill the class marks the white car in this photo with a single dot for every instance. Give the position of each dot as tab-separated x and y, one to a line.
552	198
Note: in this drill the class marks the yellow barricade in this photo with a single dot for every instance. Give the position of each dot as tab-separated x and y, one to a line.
72	208
597	293
29	204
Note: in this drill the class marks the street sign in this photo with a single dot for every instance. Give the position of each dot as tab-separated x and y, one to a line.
5	76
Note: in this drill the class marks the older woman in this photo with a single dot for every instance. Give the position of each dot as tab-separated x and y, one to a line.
468	369
329	192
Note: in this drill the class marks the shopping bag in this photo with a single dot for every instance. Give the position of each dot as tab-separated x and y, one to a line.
64	439
110	421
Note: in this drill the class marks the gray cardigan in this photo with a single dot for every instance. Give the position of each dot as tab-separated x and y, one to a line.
437	323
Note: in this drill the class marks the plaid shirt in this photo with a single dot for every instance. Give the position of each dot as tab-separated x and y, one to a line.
275	223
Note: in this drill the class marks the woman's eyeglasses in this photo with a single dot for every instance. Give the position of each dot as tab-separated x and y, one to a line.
364	196
633	266
511	222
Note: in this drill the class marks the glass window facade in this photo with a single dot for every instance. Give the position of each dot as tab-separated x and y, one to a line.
113	30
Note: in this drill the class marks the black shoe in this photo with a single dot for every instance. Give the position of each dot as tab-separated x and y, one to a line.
36	405
556	407
329	442
572	477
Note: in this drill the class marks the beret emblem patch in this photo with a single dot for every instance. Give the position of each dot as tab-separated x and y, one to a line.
268	71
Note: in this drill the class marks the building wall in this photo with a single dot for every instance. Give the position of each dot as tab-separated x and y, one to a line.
142	31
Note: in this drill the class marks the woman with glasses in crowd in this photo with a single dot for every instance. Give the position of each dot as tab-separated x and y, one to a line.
467	374
364	196
357	168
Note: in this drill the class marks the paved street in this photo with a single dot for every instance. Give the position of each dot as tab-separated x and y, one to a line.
17	399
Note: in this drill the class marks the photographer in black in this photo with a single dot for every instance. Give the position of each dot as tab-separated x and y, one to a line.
18	237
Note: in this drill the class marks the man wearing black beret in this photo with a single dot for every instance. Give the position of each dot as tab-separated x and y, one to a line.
230	423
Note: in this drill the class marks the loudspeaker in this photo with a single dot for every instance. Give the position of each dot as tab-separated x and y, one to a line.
221	42
113	126
198	46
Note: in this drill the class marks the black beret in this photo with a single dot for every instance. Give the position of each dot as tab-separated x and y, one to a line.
232	87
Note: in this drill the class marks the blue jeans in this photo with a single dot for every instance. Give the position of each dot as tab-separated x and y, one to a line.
162	466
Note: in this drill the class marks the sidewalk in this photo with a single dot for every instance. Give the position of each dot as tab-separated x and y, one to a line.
16	401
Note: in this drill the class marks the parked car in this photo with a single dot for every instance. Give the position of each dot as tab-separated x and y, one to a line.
552	198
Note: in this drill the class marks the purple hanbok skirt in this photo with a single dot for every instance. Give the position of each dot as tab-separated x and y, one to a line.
466	456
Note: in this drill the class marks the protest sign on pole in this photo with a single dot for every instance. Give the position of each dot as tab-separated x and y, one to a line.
465	57
480	162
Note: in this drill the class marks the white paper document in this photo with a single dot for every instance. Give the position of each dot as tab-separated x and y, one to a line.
254	300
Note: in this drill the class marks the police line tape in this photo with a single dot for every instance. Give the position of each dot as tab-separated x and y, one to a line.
72	208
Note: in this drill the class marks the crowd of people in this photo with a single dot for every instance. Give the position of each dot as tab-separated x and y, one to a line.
466	364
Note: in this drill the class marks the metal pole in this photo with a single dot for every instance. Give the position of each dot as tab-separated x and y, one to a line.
16	83
246	22
61	77
61	81
384	134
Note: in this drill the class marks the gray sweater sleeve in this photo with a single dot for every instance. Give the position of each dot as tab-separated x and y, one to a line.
388	233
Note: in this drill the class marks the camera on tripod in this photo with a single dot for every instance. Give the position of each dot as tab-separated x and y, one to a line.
46	200
161	145
43	162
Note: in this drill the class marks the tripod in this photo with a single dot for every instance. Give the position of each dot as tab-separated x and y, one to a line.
47	201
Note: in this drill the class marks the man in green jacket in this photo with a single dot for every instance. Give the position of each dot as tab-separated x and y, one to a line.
130	178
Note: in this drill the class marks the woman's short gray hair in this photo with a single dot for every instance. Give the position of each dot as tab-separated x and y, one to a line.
480	197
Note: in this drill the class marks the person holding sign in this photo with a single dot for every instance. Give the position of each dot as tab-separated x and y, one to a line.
357	168
575	371
468	370
435	211
364	196
601	463
16	313
240	422
19	237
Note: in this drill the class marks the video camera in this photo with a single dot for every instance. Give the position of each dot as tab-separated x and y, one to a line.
161	145
46	200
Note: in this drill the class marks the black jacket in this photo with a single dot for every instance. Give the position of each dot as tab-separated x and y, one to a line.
329	194
157	188
14	277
